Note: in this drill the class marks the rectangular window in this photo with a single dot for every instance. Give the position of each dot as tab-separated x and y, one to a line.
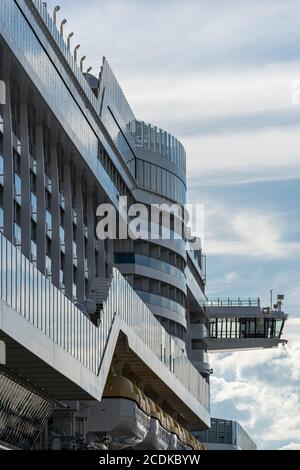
48	223
33	200
33	252
158	179
1	170
153	178
18	190
146	175
18	235
1	219
140	172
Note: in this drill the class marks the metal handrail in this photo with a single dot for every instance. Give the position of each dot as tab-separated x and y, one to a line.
233	302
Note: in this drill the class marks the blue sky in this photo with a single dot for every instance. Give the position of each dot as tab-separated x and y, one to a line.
218	75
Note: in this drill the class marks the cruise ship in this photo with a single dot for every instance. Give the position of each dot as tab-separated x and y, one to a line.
104	343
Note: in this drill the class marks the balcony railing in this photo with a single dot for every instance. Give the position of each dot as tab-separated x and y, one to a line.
249	302
36	299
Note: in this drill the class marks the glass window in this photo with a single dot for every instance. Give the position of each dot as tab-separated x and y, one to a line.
138	133
18	235
33	251
48	266
152	138
1	219
48	222
146	136
158	141
33	200
140	172
158	179
62	235
153	178
147	175
163	179
1	170
74	250
18	188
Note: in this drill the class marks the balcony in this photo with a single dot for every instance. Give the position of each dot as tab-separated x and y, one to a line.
228	302
242	324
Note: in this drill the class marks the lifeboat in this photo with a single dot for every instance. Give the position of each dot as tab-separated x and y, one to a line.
123	413
130	419
173	435
158	437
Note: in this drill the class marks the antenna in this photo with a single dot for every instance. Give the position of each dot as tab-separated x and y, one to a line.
271	299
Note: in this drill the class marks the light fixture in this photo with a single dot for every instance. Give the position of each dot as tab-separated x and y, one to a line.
75	52
81	62
62	26
69	40
56	9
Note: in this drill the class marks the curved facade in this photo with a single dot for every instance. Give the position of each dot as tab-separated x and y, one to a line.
160	162
155	268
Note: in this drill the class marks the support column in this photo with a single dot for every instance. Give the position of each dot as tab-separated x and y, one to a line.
101	257
25	176
68	219
55	211
40	193
8	160
80	238
110	256
91	254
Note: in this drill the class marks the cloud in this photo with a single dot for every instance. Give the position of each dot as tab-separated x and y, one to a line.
211	101
267	153
140	36
247	232
291	446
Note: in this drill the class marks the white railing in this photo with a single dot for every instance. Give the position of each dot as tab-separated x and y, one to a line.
33	296
237	302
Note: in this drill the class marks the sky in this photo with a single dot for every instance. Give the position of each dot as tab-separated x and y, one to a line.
220	76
